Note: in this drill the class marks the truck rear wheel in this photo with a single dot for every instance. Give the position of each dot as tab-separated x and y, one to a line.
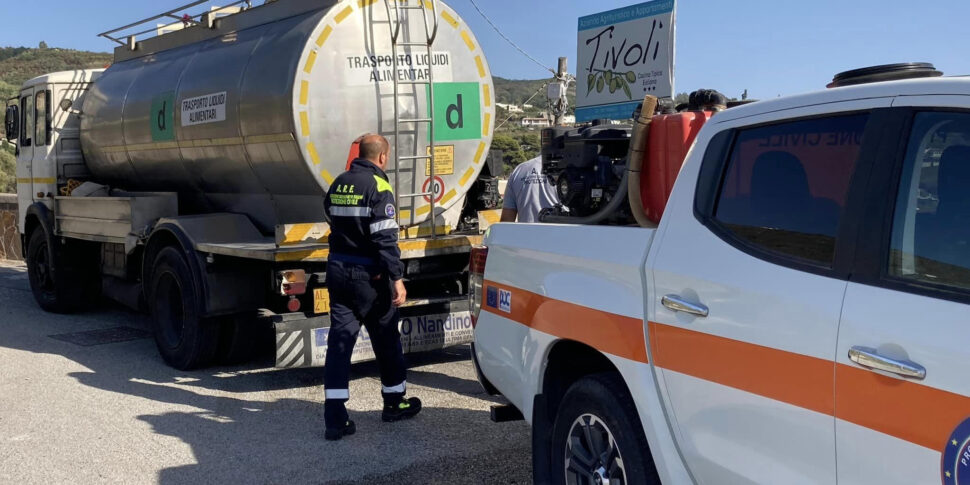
240	339
185	339
62	281
597	437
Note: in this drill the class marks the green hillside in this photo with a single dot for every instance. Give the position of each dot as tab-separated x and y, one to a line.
18	64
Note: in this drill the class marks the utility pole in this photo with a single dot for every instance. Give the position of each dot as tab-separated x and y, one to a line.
559	106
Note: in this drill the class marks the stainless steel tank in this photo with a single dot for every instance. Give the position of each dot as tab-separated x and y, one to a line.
257	115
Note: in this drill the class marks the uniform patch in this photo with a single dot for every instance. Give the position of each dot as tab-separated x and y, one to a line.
956	456
491	297
389	210
505	301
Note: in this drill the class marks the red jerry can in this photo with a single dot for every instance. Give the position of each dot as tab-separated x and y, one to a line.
668	141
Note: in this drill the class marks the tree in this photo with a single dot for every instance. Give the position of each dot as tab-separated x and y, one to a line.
681	98
8	169
511	150
42	45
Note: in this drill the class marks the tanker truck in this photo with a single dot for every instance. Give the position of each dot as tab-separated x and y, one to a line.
187	178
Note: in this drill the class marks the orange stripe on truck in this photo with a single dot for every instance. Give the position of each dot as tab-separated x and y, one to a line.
909	411
797	379
608	332
903	409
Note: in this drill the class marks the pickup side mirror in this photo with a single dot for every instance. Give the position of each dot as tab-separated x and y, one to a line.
12	122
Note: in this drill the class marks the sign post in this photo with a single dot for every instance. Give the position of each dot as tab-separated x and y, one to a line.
624	54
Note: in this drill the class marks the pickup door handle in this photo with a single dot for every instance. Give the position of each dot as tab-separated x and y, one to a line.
678	304
870	358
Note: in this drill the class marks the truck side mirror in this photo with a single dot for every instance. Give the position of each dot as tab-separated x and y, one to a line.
12	122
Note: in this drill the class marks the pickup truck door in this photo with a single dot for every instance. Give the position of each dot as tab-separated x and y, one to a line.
903	360
748	281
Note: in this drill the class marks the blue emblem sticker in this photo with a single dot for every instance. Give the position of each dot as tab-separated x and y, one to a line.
491	297
505	301
956	456
389	210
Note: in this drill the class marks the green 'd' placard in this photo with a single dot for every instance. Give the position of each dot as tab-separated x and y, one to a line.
457	111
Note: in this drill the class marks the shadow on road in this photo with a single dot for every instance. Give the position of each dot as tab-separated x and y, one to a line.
247	424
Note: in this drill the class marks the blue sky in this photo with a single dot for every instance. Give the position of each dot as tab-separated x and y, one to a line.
768	47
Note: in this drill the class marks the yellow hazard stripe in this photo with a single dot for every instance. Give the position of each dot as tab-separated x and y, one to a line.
486	124
481	66
297	233
324	35
468	40
479	152
314	156
365	3
451	194
326	176
344	14
304	123
423	210
312	58
301	255
36	180
468	175
448	18
304	92
423	231
487	95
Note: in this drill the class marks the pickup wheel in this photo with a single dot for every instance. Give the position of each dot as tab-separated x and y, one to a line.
185	340
597	437
62	278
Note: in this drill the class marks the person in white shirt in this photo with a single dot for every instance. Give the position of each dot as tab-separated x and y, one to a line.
527	193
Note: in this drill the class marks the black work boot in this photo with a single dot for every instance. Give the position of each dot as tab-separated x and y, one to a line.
348	429
403	409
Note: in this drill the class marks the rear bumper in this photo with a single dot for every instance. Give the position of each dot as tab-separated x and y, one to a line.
486	384
302	341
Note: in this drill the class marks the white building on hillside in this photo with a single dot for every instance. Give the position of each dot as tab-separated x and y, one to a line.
535	122
511	108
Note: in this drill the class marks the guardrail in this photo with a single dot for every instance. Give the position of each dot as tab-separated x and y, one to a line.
9	235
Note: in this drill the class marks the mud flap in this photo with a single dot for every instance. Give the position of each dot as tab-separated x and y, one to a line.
302	342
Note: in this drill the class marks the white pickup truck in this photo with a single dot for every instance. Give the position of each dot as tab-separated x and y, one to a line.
801	313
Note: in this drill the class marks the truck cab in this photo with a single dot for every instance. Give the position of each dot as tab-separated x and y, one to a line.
44	121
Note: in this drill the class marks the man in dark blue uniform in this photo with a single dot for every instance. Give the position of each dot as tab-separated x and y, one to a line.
365	278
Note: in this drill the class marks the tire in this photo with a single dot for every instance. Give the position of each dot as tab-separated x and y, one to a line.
63	279
597	415
240	339
185	339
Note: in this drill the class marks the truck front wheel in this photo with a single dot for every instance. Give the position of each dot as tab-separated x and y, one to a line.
597	436
60	280
185	339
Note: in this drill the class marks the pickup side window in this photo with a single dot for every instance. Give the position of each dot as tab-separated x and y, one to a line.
784	186
930	243
26	120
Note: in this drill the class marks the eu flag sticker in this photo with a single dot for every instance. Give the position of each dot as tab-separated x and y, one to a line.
956	456
491	297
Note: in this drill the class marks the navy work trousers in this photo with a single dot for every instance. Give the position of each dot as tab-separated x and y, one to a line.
360	294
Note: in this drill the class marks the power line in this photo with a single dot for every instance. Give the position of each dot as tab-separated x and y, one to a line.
513	44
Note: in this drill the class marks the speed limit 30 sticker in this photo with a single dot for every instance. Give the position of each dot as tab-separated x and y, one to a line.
438	190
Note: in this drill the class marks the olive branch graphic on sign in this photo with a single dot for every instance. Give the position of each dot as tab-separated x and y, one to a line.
601	79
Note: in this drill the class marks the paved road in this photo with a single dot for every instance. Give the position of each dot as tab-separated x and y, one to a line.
114	413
